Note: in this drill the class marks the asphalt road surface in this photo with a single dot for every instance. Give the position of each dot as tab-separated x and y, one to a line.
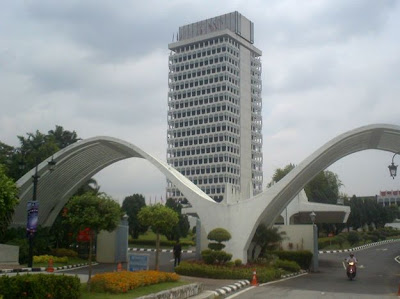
378	276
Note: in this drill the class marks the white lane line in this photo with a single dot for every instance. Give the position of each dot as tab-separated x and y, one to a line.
397	259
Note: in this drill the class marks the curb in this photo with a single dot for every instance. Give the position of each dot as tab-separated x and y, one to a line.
359	247
231	288
161	250
42	269
236	286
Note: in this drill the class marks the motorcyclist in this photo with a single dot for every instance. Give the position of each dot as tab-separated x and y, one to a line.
351	258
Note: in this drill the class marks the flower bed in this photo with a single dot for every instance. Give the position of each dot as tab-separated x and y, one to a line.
122	282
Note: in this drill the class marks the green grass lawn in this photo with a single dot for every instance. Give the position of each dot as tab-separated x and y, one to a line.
142	291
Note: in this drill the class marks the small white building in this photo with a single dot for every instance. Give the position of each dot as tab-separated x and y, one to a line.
388	198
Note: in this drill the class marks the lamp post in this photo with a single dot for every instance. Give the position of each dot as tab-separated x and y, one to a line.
33	210
393	168
314	266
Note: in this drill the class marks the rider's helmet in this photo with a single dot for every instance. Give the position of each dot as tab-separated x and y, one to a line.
351	254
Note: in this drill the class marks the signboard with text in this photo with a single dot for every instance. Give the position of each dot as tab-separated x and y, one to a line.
137	262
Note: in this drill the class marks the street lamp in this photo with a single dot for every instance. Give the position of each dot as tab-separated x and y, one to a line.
33	209
312	216
314	265
393	168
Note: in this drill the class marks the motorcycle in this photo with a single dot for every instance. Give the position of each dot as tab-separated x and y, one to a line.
351	270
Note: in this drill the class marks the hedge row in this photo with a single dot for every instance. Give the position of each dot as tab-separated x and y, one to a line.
223	272
290	266
46	258
39	286
302	257
166	243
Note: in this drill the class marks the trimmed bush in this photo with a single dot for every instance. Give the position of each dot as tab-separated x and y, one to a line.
222	272
290	266
302	257
238	262
122	282
39	286
215	257
60	252
47	258
216	246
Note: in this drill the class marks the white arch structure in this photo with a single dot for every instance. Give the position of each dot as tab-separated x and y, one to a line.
80	161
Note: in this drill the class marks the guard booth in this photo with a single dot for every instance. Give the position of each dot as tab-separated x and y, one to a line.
112	247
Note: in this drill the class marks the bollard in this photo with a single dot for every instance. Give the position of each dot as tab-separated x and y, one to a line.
50	267
119	267
254	279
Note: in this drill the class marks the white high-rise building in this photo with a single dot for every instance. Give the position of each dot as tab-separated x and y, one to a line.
214	108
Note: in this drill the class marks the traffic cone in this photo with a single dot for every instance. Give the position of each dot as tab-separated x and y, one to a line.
119	267
398	292
254	279
50	267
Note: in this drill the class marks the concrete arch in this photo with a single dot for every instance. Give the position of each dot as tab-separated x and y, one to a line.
80	161
268	205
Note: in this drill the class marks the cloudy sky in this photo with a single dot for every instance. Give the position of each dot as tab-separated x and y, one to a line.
101	68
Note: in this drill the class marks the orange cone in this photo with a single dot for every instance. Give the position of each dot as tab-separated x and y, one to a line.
119	267
50	267
398	292
254	279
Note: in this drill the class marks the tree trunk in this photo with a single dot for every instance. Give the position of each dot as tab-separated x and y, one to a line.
90	260
157	249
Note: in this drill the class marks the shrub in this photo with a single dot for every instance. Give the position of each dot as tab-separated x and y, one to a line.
64	252
216	246
290	266
46	259
373	238
238	262
40	286
215	257
122	282
196	269
219	235
302	257
353	237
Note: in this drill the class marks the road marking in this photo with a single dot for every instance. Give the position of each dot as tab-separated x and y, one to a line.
397	259
381	249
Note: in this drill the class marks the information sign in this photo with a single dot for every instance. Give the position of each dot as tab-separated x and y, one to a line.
137	262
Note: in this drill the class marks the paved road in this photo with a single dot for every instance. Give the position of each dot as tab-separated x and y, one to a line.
378	276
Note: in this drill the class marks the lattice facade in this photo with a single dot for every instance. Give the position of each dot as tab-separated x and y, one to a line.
212	100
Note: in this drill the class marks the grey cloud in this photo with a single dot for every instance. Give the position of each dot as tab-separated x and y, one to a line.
335	22
102	27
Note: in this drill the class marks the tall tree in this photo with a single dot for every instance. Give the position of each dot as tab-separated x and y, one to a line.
33	149
183	226
161	219
96	212
280	173
62	137
8	200
131	206
323	188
